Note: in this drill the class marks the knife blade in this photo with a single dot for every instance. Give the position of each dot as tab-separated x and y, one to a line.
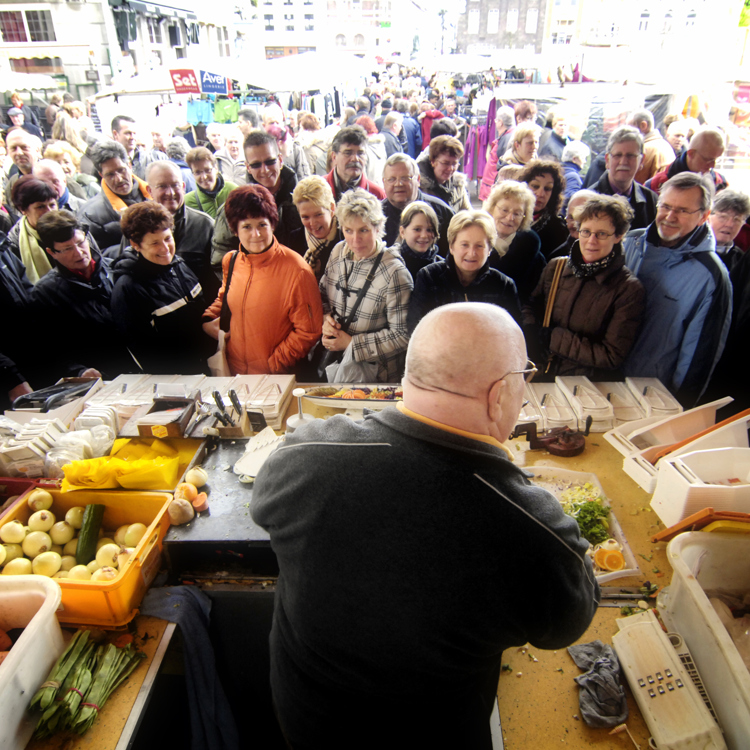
235	402
219	401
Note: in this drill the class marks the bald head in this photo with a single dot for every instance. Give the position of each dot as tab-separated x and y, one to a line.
577	200
51	172
455	363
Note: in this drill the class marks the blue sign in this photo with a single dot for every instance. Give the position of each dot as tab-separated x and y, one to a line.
212	83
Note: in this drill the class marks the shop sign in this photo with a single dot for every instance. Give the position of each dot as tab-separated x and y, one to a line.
212	83
184	81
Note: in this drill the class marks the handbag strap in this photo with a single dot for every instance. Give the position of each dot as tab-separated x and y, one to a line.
226	313
559	266
357	302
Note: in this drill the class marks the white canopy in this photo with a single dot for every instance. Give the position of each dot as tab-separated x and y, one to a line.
28	81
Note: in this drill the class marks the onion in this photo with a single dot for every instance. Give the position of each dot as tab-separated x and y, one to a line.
3	554
18	567
42	520
46	564
197	476
79	573
93	566
12	551
75	516
124	556
68	562
35	543
12	532
120	534
180	511
39	500
104	540
60	574
134	534
71	547
62	532
104	574
107	555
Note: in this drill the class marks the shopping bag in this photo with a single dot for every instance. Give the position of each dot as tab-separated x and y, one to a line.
349	371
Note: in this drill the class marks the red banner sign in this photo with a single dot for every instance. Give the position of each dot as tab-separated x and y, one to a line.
184	81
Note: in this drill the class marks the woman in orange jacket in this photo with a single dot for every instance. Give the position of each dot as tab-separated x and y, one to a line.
269	300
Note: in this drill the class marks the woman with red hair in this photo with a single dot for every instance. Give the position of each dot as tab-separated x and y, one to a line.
269	303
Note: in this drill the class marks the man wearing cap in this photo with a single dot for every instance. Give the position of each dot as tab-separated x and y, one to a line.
17	117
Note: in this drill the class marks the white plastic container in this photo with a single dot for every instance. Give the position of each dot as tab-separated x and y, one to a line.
718	479
654	397
28	602
705	561
587	401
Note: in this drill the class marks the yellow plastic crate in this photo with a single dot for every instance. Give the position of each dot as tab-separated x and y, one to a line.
111	604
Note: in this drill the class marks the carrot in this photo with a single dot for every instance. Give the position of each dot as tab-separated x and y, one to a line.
201	502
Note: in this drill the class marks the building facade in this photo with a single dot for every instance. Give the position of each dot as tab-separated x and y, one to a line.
489	26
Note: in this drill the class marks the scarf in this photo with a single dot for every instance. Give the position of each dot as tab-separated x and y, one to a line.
501	245
344	187
32	254
315	248
217	187
583	270
117	202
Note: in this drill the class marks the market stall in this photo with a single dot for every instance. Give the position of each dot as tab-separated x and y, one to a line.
228	425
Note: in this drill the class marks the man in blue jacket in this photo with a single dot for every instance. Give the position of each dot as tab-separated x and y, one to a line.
688	292
413	552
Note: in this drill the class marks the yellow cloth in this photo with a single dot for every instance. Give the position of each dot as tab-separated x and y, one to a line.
33	256
455	430
117	202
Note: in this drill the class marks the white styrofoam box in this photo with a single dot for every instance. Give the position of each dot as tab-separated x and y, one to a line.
654	397
625	405
587	401
640	441
28	602
689	482
553	406
706	562
66	413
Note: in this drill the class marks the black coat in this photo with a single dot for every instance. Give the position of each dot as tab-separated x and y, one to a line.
438	284
103	220
552	232
77	315
159	311
642	201
415	262
523	262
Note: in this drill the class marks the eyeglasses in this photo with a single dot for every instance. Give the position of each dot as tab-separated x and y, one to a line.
203	172
666	208
121	172
78	247
398	180
601	236
729	218
504	212
626	157
528	373
353	154
266	163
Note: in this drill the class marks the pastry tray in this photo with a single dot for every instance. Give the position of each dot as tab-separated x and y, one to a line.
315	395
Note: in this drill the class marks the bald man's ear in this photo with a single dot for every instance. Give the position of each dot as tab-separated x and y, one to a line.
494	399
148	190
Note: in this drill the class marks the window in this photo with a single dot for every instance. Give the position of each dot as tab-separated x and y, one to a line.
643	23
532	17
511	25
309	22
667	22
493	20
268	18
289	16
154	30
340	40
359	40
27	26
473	24
690	22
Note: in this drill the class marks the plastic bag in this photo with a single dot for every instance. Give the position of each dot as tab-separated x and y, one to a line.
217	363
349	371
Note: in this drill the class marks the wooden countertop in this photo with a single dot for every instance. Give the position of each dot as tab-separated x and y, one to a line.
540	708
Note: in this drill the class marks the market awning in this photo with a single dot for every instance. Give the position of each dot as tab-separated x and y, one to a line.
28	81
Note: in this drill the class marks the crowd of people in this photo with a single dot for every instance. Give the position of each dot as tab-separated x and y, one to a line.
308	245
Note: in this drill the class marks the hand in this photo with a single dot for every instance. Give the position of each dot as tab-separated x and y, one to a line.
20	390
90	373
212	328
338	342
330	326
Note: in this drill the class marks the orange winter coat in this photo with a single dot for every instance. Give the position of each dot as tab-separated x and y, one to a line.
277	315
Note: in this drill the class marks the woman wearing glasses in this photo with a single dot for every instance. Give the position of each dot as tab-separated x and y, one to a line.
597	303
438	167
516	250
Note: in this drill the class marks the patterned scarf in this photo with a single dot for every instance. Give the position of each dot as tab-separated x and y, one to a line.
583	270
315	247
117	202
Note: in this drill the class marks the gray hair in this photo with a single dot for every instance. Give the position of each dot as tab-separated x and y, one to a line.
625	134
642	115
106	150
362	205
518	191
399	158
689	180
177	148
732	201
506	116
163	164
575	150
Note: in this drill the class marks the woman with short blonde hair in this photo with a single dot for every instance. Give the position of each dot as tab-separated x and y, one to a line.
317	211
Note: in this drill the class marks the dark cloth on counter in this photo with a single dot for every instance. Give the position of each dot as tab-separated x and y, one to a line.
78	312
394	601
212	724
159	311
438	284
601	697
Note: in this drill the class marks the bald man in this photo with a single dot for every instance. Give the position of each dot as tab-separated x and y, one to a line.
413	552
49	171
700	156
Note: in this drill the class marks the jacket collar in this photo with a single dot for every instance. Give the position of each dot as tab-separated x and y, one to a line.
700	240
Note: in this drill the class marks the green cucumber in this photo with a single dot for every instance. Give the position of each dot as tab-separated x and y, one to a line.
89	535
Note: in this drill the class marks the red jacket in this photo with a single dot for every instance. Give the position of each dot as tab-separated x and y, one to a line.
364	183
429	117
277	314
